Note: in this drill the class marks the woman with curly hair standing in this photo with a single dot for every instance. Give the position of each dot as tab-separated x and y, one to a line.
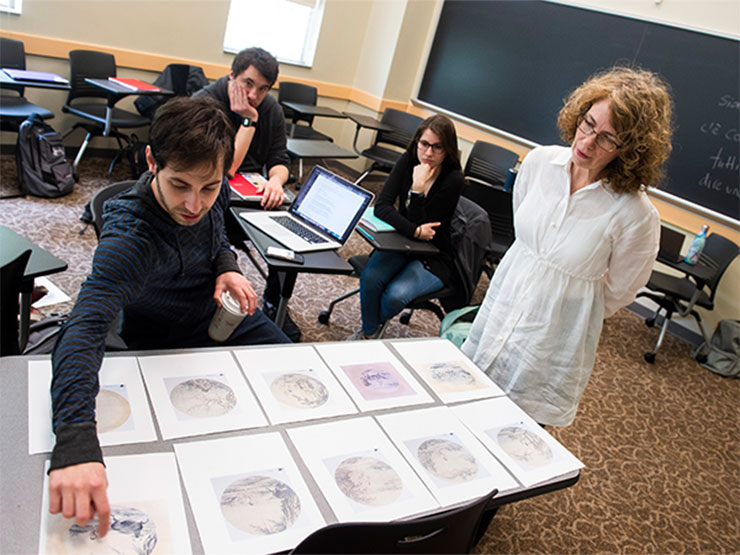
586	240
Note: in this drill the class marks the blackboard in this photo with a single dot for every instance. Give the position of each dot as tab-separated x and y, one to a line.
509	64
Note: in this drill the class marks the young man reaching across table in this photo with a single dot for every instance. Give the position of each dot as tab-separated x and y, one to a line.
164	260
260	141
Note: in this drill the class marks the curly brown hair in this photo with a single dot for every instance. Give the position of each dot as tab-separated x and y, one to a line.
640	111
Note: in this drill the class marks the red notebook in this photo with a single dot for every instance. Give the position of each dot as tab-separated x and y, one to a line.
133	84
245	185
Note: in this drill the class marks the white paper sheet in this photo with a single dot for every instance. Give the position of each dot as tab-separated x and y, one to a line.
122	410
522	445
444	367
147	512
293	384
247	494
199	393
373	376
360	472
53	296
453	464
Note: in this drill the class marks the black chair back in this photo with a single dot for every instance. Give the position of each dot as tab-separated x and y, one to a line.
92	64
12	56
489	163
300	93
447	532
96	204
718	254
11	279
498	204
405	126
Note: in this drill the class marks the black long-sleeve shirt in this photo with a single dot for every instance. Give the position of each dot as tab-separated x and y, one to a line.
438	205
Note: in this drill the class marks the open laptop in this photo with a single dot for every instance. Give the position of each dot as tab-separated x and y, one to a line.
671	243
322	216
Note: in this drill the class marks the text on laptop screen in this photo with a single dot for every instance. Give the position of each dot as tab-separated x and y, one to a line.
330	203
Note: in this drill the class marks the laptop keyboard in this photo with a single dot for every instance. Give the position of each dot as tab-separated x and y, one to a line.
291	225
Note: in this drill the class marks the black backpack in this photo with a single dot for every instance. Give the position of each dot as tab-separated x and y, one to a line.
43	170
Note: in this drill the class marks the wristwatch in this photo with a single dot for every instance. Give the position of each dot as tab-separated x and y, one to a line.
249	122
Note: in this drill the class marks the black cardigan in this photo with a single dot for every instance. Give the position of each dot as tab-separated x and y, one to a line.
437	206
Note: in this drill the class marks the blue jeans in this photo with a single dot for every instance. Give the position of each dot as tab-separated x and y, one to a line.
388	283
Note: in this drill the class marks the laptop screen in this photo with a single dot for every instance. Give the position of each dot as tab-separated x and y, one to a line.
331	203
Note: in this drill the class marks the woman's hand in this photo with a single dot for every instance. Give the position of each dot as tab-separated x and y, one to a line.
422	173
425	232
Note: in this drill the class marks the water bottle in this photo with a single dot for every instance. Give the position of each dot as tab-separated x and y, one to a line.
697	245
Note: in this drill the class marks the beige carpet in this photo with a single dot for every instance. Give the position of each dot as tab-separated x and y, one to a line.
661	443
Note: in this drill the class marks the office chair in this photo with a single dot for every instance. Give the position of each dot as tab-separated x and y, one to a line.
680	295
181	79
96	204
489	163
11	284
404	126
471	241
451	531
97	65
486	170
303	94
15	108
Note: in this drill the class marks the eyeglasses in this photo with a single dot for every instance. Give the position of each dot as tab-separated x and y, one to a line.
604	140
437	148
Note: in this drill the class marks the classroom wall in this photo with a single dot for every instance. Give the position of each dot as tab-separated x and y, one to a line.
369	55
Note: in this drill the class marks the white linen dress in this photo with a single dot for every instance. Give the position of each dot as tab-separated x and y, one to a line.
576	260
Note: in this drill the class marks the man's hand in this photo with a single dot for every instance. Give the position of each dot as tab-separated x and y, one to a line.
80	491
422	172
425	232
240	289
273	196
239	100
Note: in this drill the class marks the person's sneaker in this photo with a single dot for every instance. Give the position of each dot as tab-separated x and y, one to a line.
357	335
290	328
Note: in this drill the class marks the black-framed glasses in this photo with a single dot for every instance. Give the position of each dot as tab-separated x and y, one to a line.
588	127
437	148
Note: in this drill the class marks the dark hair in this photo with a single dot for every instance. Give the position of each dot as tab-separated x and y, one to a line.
187	132
261	59
640	108
443	127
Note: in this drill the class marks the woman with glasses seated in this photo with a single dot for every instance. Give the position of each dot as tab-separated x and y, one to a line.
586	240
425	183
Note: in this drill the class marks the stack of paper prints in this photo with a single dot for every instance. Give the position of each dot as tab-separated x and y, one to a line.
523	446
199	393
293	384
359	471
445	368
247	494
380	381
121	409
147	512
453	464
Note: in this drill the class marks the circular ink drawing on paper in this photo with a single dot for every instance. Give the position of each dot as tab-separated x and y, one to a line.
299	390
260	505
447	460
203	397
368	480
111	410
452	374
131	531
524	446
379	380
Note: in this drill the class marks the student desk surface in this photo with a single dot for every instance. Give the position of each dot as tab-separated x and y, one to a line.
22	475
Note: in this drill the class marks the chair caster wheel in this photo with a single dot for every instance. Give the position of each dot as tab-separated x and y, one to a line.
650	358
405	319
650	322
701	359
324	317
